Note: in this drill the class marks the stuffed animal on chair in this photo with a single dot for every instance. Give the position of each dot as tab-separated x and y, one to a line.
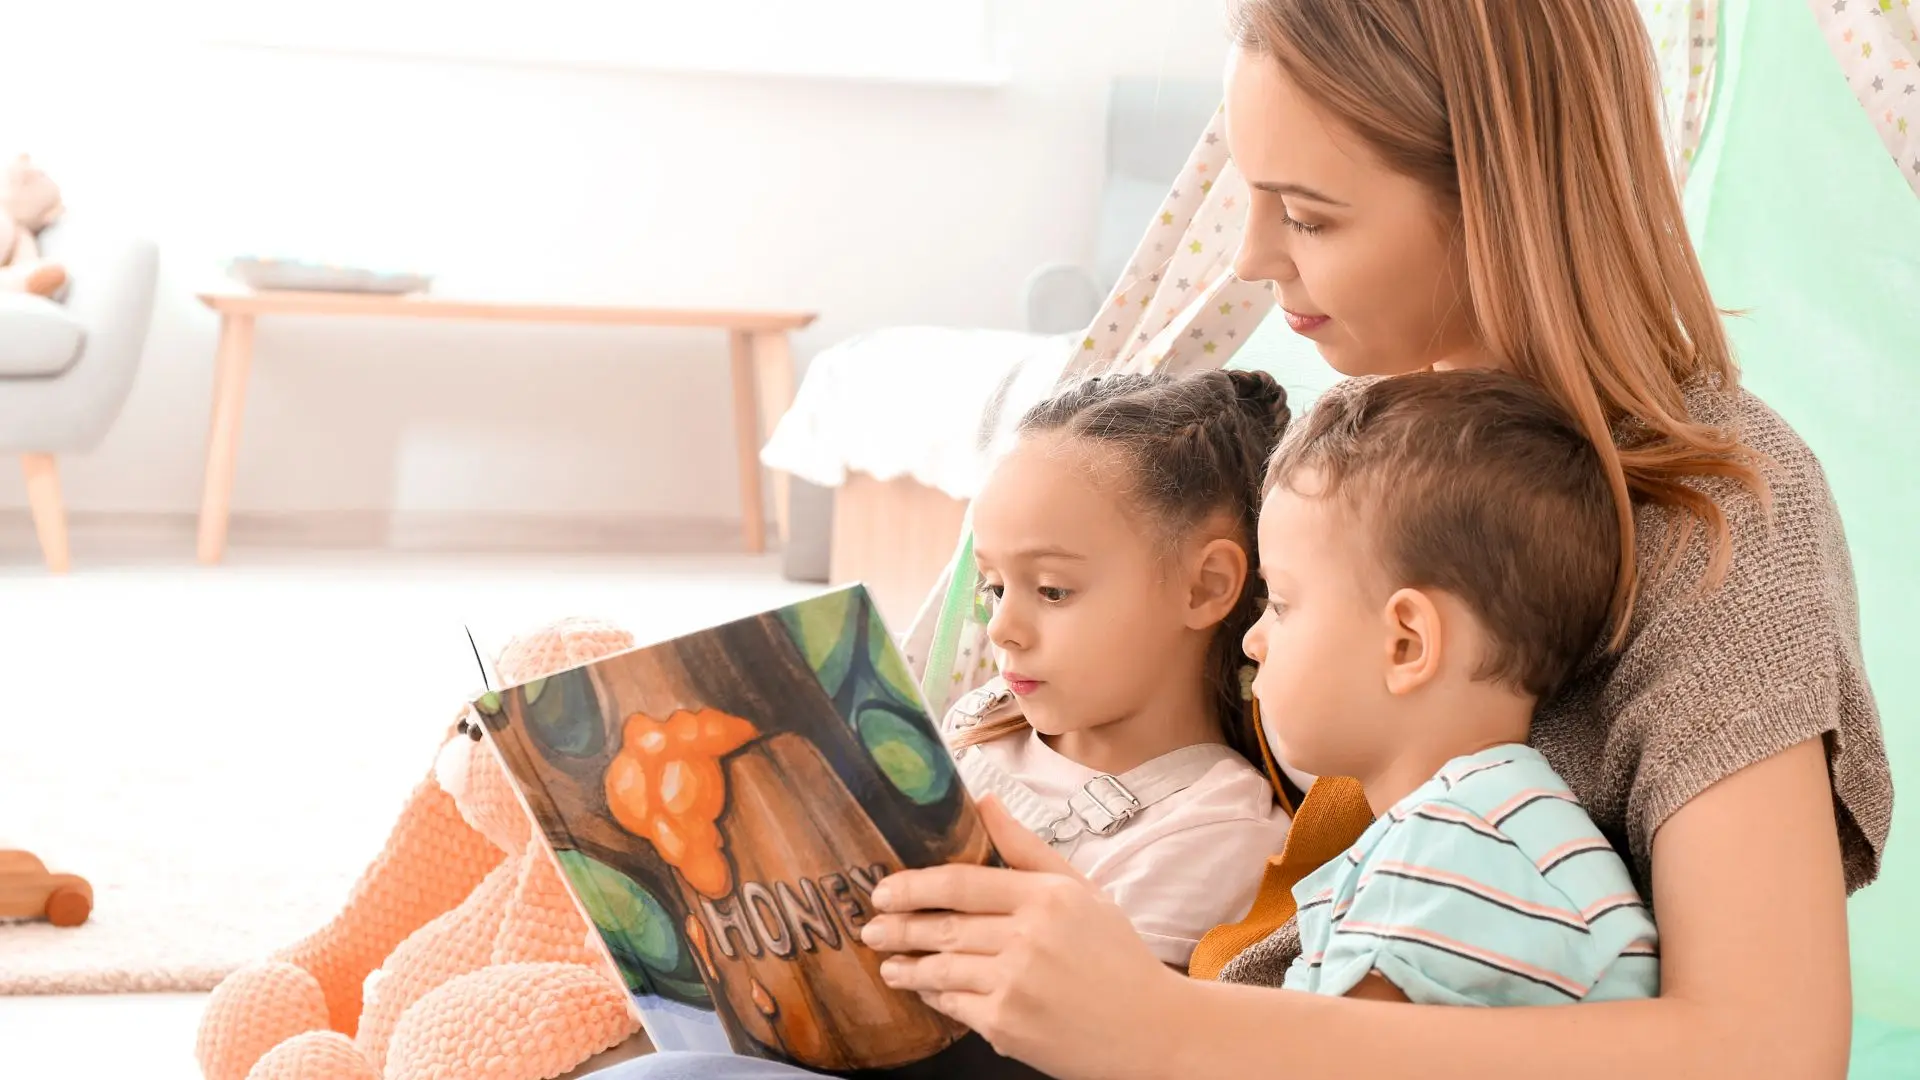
29	202
460	951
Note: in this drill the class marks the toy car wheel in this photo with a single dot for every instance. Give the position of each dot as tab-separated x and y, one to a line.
69	905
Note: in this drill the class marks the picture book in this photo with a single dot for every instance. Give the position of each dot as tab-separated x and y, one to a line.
722	805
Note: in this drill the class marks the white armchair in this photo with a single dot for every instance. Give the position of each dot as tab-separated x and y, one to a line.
66	368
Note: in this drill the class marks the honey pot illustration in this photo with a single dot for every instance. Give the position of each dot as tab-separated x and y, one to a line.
776	863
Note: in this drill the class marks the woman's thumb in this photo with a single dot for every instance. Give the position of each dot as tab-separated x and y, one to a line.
1018	846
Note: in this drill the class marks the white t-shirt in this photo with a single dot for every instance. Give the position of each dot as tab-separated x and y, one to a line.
1181	866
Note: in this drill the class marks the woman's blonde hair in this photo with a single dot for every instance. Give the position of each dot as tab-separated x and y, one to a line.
1538	123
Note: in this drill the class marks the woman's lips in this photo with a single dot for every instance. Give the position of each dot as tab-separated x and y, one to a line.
1020	686
1306	324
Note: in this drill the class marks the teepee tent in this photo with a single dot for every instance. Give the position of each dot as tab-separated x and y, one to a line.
1803	203
1800	180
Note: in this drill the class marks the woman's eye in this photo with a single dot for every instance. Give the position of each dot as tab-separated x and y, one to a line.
1296	225
1277	608
1053	595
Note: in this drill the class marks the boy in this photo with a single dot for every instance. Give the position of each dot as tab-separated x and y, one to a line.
1440	552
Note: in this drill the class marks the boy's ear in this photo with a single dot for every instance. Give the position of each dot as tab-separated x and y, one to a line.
1414	641
1213	588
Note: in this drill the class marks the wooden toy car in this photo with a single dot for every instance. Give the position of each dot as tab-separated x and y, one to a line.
28	891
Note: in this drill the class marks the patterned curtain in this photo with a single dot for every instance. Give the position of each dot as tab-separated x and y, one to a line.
1180	308
1686	40
1877	43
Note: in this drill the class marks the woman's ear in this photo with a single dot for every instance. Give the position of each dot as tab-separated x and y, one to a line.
1413	641
1213	586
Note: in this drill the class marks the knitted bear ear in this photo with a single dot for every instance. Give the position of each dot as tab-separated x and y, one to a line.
558	646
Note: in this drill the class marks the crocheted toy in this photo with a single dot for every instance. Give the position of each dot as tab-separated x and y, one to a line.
460	952
29	202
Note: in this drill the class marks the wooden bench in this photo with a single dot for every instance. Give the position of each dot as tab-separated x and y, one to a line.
762	359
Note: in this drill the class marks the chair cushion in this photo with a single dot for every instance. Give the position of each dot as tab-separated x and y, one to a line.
38	338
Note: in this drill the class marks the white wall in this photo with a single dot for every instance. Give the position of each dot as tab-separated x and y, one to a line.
874	205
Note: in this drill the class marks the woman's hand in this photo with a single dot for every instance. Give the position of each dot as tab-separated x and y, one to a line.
1034	958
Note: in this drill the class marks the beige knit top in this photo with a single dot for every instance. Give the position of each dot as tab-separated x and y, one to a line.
1708	684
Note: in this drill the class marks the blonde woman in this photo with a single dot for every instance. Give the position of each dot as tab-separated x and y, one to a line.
1482	183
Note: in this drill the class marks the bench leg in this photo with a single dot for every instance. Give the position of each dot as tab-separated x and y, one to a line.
773	366
231	366
746	438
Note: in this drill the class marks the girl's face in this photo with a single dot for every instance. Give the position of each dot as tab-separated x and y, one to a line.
1088	616
1365	261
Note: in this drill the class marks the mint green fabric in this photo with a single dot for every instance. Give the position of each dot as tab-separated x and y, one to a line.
1884	1052
956	608
1804	223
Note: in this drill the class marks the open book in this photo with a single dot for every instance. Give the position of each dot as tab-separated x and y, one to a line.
722	805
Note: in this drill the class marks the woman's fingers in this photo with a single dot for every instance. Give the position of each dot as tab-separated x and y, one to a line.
1033	869
978	890
942	973
938	932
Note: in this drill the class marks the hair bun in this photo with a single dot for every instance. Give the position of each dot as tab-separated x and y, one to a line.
1262	397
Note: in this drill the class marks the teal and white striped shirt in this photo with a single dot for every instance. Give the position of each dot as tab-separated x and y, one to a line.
1489	885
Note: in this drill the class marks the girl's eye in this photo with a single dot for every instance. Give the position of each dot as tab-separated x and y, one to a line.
1297	226
987	591
1277	608
1053	595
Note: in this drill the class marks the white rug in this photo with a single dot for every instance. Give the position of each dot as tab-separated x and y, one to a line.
220	752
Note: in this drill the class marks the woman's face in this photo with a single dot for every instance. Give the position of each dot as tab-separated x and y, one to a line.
1364	260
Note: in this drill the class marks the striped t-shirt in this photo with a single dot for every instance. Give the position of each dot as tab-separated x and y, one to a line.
1489	885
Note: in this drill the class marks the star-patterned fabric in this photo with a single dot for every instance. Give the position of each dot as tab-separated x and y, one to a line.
1179	307
1877	43
1686	40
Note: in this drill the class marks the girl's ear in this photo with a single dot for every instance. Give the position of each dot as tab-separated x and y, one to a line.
1413	641
1213	587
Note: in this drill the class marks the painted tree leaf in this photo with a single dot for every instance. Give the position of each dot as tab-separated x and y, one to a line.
822	627
626	914
888	663
911	761
565	716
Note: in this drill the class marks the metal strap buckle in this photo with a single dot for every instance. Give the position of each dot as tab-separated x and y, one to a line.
1112	805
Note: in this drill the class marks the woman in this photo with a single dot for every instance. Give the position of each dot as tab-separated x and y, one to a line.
1459	183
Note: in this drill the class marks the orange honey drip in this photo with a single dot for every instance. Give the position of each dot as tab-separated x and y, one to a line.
666	785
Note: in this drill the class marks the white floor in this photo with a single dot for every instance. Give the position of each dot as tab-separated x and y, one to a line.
290	639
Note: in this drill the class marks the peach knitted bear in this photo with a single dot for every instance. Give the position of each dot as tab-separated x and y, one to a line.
459	953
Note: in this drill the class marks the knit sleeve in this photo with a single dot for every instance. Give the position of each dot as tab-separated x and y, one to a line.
1711	682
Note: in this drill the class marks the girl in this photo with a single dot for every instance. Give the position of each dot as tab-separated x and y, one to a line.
1114	543
1483	183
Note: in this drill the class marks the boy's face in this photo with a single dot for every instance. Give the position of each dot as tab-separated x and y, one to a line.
1085	616
1322	643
